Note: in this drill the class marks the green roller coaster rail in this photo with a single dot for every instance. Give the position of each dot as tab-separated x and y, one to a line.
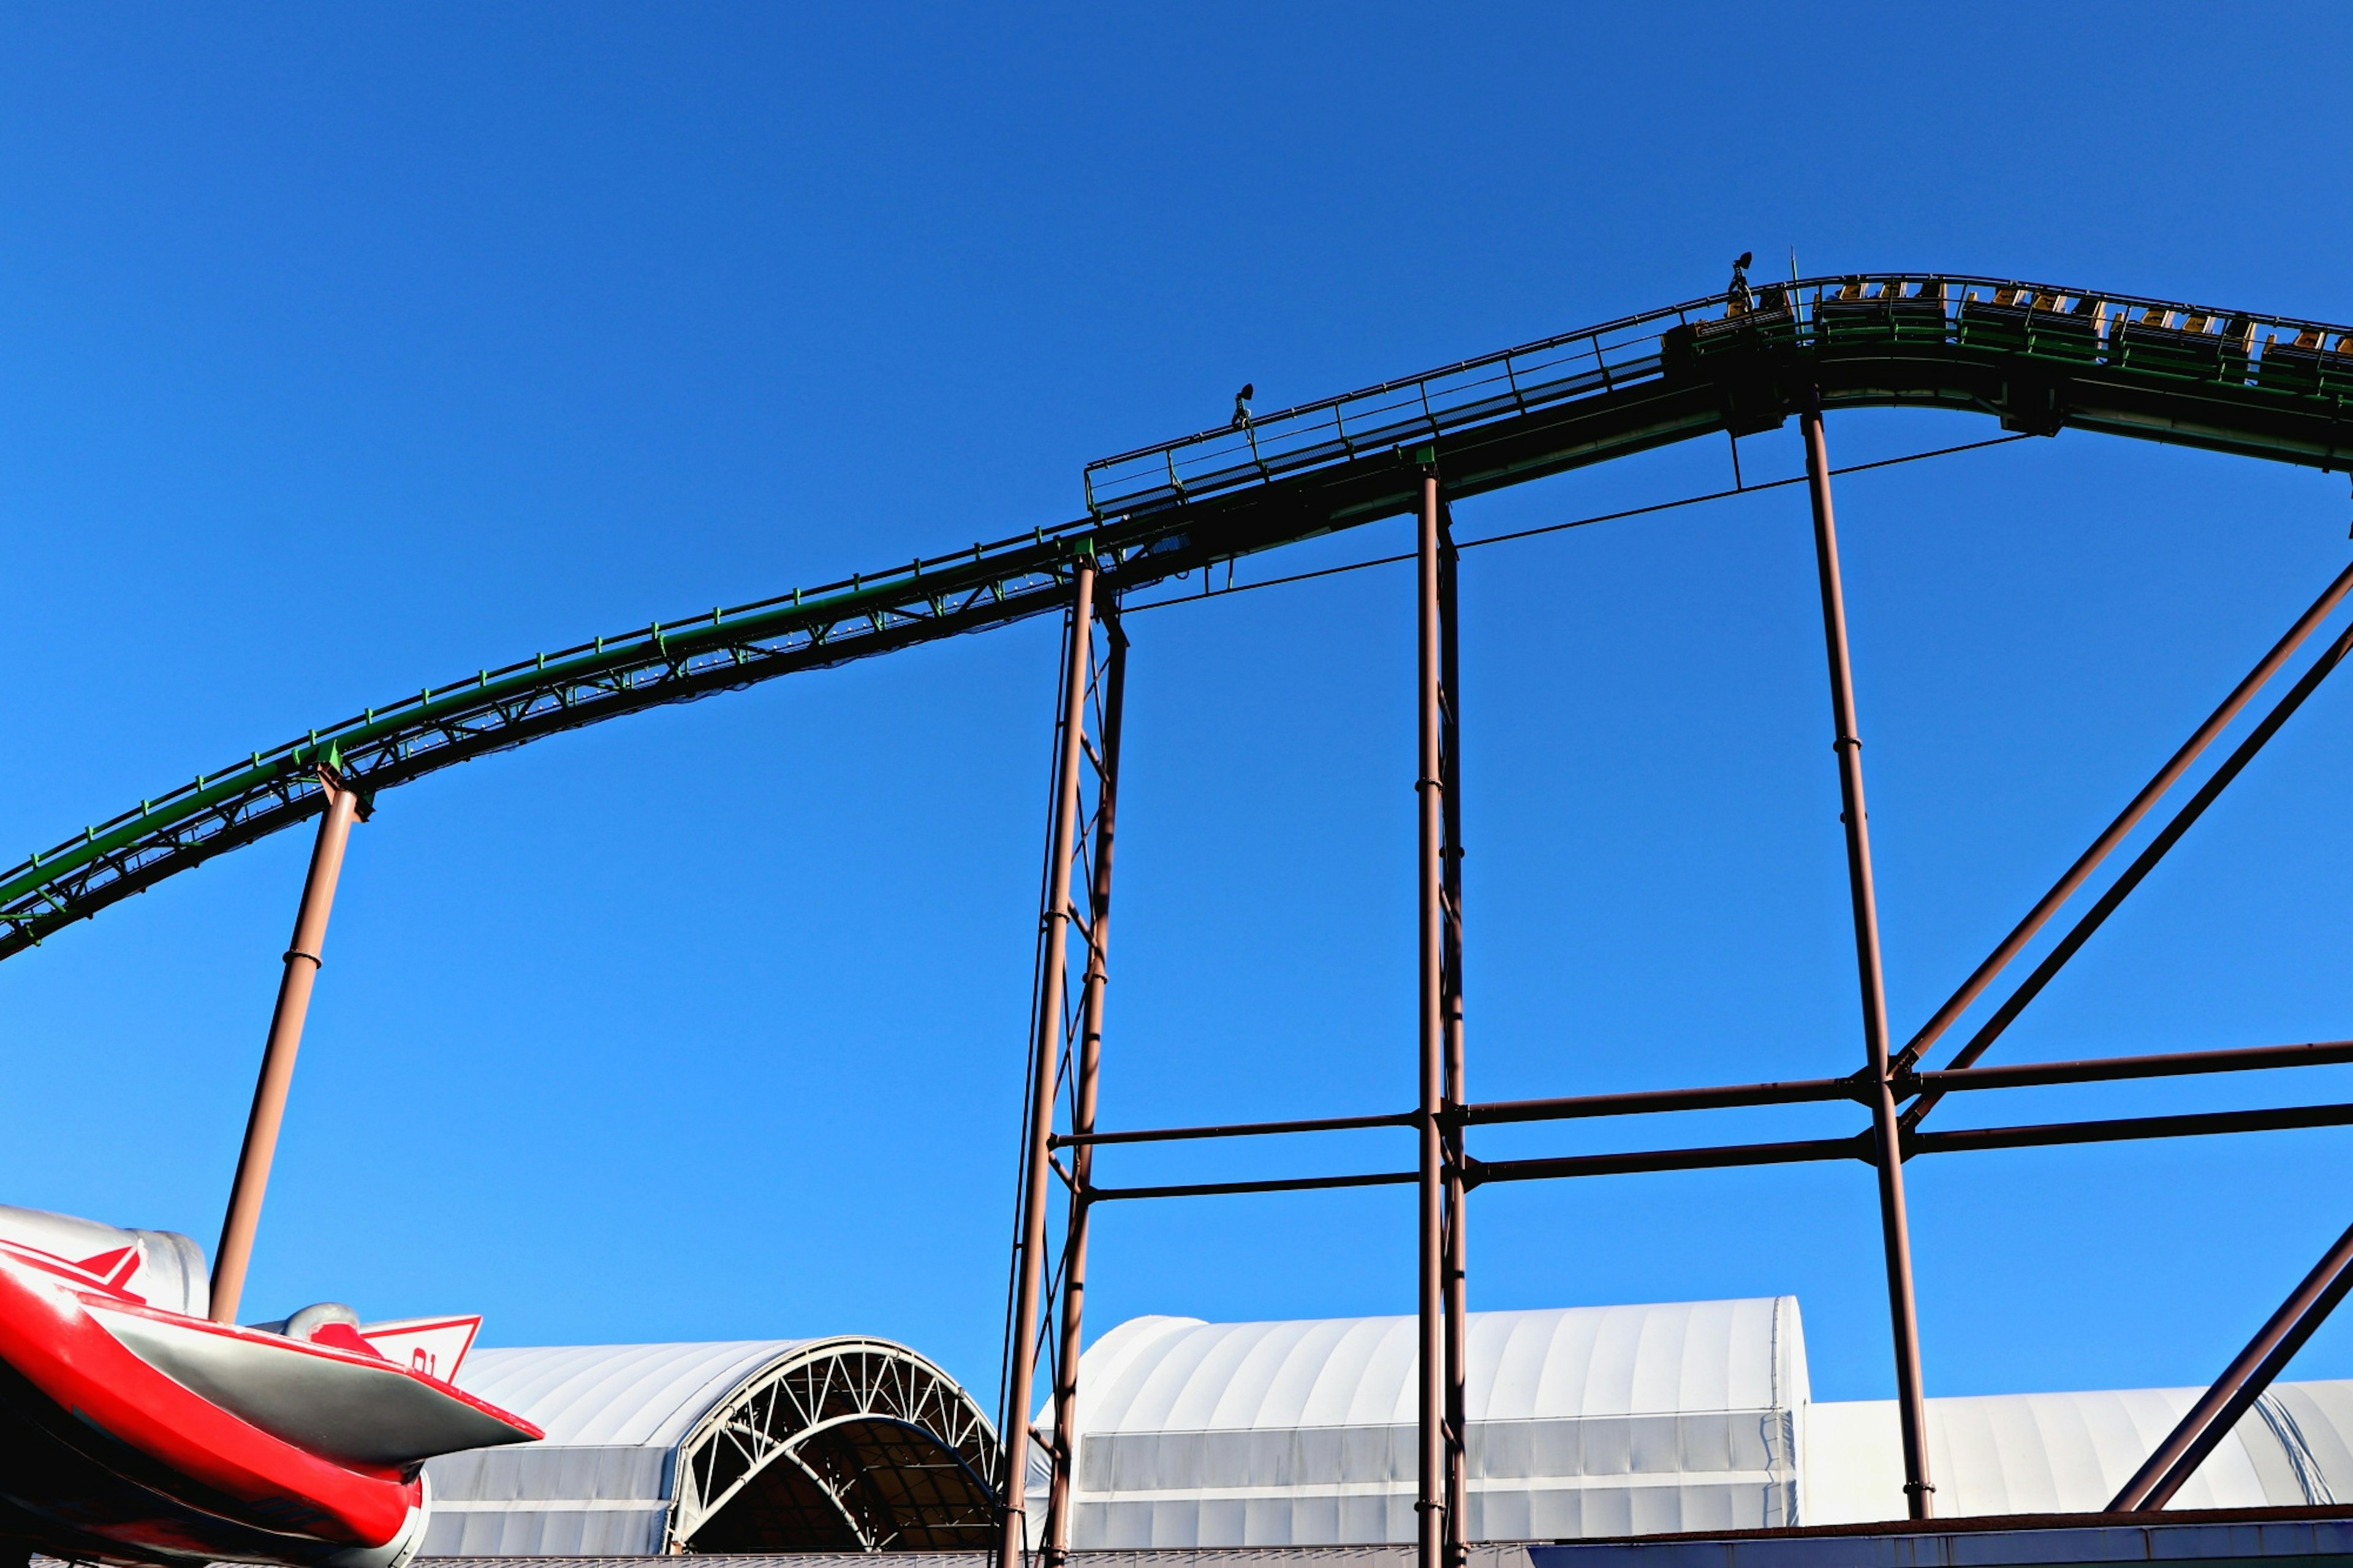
2040	359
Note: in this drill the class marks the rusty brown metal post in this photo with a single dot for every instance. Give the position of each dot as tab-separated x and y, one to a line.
294	985
1456	1261
1089	1061
2160	845
2165	777
1054	921
1430	1505
1894	1228
2242	1382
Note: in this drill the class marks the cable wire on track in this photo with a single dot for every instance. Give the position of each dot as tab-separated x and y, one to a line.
1539	532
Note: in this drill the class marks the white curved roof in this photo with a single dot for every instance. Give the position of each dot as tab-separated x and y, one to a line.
1181	1374
617	1395
2070	1453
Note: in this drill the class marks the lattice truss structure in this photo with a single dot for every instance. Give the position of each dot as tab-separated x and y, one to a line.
854	1445
1065	1031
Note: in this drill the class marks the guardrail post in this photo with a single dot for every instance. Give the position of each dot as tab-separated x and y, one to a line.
1021	1328
302	961
1894	1227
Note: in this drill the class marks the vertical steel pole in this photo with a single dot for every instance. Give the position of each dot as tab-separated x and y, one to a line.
1430	1505
269	1112
1457	1279
1082	1110
1894	1230
1022	1332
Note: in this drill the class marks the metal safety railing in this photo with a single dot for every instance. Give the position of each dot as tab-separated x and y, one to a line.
1378	419
2126	332
2293	362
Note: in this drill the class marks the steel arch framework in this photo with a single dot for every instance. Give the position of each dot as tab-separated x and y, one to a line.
850	1443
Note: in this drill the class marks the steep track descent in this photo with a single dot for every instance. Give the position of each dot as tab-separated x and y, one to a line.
2040	359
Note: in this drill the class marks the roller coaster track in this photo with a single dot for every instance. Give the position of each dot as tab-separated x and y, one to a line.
2040	359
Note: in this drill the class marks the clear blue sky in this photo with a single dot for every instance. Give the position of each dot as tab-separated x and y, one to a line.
347	350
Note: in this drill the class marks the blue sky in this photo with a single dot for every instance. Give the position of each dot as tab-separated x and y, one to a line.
347	351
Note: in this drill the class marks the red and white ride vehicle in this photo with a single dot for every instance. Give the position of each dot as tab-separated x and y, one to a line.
133	1429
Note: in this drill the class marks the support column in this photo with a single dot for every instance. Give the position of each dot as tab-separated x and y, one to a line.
1022	1332
1894	1230
1082	1108
1450	777
261	1124
1430	1505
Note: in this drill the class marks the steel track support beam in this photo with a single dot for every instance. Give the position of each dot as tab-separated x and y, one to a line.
1030	1258
2242	1382
234	1254
1433	1530
1455	1260
1919	1490
1086	1065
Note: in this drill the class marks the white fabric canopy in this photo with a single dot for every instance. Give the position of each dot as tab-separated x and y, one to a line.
2070	1453
603	1481
1583	1421
1604	1421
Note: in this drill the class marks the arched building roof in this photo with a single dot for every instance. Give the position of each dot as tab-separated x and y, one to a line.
1607	1421
756	1445
2070	1453
617	1395
1583	1421
1184	1375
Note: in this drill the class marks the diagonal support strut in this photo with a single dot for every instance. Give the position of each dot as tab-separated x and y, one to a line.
2242	1382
